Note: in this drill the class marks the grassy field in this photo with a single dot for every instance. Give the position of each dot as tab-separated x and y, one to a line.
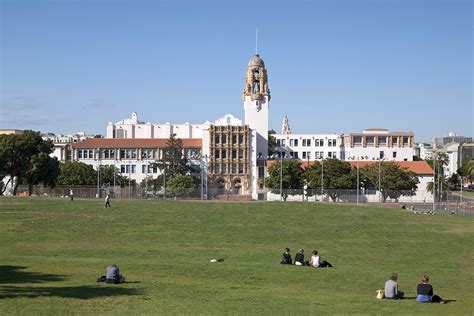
52	251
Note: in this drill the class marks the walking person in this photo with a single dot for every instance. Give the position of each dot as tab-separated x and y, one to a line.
107	201
71	194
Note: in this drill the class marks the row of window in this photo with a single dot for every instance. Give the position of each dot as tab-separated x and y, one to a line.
306	142
234	153
307	155
235	168
132	153
222	138
382	140
125	169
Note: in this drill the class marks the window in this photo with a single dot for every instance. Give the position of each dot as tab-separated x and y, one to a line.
122	168
382	141
381	154
394	154
330	155
296	143
308	155
295	155
241	154
224	139
234	139
304	143
292	142
304	154
278	142
217	168
224	154
261	172
308	142
241	138
331	142
241	168
321	142
85	154
234	154
234	168
216	139
282	142
394	140
216	153
357	140
405	140
369	141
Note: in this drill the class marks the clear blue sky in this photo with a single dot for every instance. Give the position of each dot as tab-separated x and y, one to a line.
333	66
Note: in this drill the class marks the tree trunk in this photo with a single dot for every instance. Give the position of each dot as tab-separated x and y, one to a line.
30	189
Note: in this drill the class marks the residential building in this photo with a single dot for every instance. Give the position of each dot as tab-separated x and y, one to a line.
451	137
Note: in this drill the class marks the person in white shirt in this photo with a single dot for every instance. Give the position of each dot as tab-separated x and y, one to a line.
315	260
107	199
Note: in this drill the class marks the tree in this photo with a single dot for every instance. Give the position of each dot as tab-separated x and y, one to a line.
76	173
337	176
395	181
440	160
44	169
182	186
26	157
107	176
272	143
173	162
152	184
292	177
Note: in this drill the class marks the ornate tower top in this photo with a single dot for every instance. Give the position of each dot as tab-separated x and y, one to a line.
256	82
285	127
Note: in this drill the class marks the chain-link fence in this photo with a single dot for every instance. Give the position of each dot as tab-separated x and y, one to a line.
448	202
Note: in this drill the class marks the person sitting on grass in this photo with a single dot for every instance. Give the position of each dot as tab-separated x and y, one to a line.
316	261
112	275
425	292
299	258
391	288
286	257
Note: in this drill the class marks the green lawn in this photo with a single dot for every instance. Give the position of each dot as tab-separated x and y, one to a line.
52	251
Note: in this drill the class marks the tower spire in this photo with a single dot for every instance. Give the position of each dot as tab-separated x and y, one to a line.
256	41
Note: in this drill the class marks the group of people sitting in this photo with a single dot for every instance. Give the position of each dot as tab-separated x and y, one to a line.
424	290
315	261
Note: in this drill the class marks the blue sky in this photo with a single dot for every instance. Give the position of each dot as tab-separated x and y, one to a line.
333	66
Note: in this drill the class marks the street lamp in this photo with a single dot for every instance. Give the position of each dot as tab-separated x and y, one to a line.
322	179
380	192
281	175
98	173
357	179
129	178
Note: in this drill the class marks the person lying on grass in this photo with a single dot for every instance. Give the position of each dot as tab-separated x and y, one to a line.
112	276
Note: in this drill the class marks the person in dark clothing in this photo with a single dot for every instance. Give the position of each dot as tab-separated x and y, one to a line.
286	257
425	292
299	259
112	275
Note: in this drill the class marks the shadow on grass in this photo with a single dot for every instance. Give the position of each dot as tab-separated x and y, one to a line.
80	292
13	274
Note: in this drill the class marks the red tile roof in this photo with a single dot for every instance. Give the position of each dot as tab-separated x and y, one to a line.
134	143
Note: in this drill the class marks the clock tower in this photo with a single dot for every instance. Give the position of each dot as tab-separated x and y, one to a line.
256	98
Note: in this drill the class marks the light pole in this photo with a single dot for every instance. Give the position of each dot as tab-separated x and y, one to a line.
357	179
281	175
434	180
129	178
98	174
202	179
322	179
380	192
